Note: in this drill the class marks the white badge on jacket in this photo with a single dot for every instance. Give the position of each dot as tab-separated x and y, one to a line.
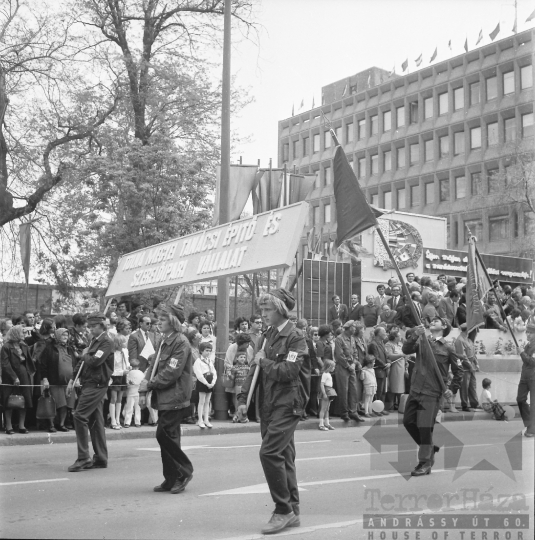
292	356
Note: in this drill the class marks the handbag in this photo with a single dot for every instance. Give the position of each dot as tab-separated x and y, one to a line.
16	401
46	406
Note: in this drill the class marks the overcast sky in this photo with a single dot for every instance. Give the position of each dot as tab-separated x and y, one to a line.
306	44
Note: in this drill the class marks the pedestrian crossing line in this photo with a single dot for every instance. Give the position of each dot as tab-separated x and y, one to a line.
32	481
207	447
258	489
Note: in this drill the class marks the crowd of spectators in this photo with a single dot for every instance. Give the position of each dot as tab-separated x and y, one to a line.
355	357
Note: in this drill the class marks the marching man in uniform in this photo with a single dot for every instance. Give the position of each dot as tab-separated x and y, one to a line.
169	378
96	363
282	359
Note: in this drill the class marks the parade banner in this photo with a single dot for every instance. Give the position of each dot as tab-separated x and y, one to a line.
254	244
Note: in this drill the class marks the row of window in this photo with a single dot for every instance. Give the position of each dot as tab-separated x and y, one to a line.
500	228
369	126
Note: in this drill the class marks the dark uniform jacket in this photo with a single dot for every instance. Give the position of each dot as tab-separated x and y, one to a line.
528	364
345	353
172	382
98	362
285	373
424	380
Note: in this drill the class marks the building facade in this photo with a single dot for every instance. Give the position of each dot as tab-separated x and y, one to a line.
442	141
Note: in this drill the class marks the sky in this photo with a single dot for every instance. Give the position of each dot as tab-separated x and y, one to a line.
306	44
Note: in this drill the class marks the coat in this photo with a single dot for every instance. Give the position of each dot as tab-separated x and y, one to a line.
12	367
448	310
136	342
378	350
342	314
354	313
172	382
49	363
283	381
98	362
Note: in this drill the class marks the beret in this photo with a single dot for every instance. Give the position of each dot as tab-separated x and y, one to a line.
349	323
445	323
285	296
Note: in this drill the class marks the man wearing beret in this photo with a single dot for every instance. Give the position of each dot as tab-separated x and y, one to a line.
422	406
527	382
169	378
95	366
285	368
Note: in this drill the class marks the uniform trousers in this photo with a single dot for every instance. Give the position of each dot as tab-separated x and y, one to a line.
419	421
527	387
277	455
347	389
176	465
88	417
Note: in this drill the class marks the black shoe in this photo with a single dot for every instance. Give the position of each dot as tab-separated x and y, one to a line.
345	418
52	430
436	449
23	430
356	417
161	488
63	428
100	464
81	464
180	485
422	469
10	431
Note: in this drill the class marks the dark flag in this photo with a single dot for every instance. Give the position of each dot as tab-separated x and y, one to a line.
434	54
466	45
495	32
405	65
532	16
353	213
25	237
474	305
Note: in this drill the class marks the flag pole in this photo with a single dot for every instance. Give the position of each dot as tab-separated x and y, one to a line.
405	289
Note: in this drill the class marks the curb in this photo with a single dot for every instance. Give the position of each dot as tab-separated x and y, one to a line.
222	427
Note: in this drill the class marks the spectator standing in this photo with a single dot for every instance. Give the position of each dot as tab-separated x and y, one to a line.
312	337
381	297
397	371
327	394
395	301
369	382
139	349
324	345
206	376
112	326
362	350
493	314
56	369
447	307
124	328
194	319
427	289
338	310
354	309
241	326
527	382
377	349
256	331
387	315
241	339
239	372
429	311
17	371
210	317
208	336
465	349
78	337
369	314
5	325
121	367
133	380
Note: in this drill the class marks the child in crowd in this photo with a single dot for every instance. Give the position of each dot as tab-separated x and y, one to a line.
328	393
492	407
239	372
367	376
133	380
118	379
206	375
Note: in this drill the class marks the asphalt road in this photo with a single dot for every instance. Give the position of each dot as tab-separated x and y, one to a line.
342	478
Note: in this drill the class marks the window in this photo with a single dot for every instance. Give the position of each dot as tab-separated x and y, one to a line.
516	225
375	164
475	93
387	121
444	146
295	149
387	160
509	174
508	83
306	146
362	167
444	189
455	238
375	199
460	187
327	139
362	128
316	216
400	116
493	179
414	153
509	128
476	182
475	138
413	112
458	143
527	125
338	133
476	228
492	134
529	224
442	103
401	198
492	88
458	98
415	195
327	213
327	176
387	195
374	125
526	76
316	143
429	193
400	157
349	133
428	150
498	228
428	108
285	152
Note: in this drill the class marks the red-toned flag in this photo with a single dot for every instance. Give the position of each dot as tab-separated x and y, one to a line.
353	213
474	305
495	32
405	65
434	54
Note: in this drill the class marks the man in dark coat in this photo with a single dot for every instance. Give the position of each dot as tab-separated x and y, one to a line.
426	391
354	309
95	366
283	362
337	310
382	365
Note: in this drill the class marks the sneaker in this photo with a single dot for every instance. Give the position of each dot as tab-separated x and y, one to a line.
278	522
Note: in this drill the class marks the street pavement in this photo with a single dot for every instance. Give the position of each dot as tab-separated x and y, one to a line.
343	475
